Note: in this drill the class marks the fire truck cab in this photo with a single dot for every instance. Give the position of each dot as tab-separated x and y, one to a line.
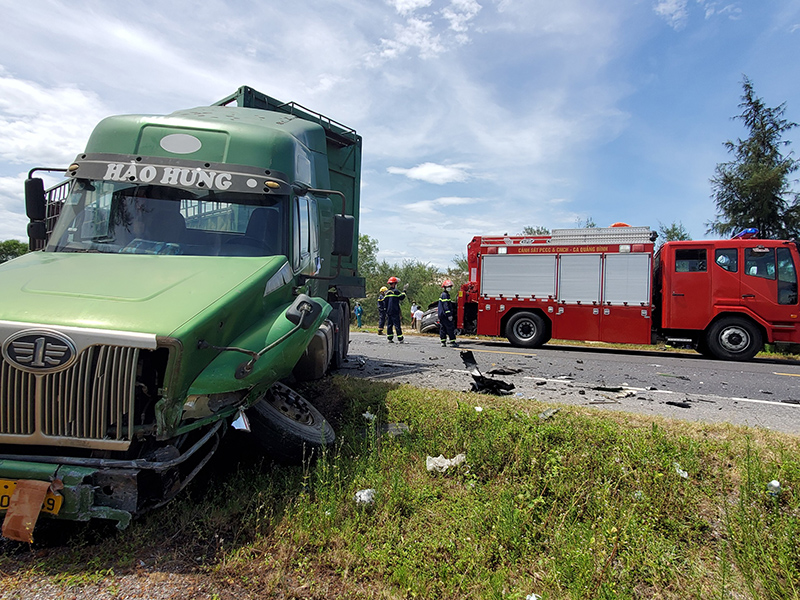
725	298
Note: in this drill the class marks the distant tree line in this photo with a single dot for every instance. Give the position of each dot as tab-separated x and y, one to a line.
12	249
424	280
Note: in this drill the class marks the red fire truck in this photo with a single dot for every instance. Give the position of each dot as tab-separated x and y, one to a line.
725	298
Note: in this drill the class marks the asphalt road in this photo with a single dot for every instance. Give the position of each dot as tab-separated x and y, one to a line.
762	393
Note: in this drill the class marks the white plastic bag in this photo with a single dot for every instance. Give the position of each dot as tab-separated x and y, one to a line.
441	464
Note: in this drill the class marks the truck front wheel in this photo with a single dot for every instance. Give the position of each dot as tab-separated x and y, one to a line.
733	338
526	330
287	426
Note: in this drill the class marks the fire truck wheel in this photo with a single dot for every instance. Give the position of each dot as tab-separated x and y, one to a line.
287	426
527	330
733	338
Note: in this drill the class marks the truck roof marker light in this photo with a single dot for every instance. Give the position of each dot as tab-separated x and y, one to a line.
272	185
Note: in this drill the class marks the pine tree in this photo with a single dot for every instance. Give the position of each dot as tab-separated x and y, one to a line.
675	231
754	189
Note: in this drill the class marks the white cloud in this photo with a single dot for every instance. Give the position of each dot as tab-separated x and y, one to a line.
407	6
416	34
43	125
13	221
430	206
676	12
421	30
732	11
673	11
433	173
460	13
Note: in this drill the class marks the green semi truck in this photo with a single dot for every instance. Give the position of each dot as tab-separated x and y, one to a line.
190	267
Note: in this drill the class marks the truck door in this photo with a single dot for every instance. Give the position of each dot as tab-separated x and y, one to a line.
305	251
687	291
769	287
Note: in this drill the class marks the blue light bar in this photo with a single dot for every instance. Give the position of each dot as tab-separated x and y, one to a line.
746	234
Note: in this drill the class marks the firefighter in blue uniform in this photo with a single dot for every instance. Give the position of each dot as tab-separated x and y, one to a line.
393	298
382	309
447	315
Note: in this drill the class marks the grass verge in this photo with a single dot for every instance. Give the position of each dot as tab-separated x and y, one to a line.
578	505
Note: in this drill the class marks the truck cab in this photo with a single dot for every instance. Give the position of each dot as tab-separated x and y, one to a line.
729	296
190	266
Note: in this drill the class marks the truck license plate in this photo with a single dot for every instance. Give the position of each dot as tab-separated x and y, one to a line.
51	504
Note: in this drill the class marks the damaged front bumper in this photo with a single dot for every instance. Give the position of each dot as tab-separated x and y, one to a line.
73	488
97	488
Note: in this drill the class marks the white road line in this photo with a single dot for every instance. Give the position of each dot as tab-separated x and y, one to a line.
670	392
503	352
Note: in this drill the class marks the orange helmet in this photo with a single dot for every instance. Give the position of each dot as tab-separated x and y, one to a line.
447	283
393	280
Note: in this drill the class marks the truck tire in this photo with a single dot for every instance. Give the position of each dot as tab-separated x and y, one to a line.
287	426
340	315
526	330
734	338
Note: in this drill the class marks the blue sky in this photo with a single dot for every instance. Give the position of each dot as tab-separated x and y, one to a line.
479	117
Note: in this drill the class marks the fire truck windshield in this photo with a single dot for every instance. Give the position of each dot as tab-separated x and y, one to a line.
136	218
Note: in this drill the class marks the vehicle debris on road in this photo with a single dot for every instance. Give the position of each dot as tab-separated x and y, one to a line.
678	404
484	384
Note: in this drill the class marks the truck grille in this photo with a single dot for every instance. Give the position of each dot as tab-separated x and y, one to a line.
90	404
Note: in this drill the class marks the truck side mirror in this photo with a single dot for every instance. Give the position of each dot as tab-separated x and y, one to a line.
37	230
343	234
303	311
34	199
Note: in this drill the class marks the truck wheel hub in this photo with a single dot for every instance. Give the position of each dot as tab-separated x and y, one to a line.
525	329
735	339
290	404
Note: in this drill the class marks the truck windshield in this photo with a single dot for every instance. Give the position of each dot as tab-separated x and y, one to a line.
135	218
